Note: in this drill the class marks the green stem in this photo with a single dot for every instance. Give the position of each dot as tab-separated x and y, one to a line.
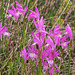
18	33
25	68
70	57
33	69
54	62
63	54
20	45
22	64
24	32
40	57
2	48
40	62
60	67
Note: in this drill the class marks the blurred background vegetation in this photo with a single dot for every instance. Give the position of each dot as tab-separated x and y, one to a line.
54	12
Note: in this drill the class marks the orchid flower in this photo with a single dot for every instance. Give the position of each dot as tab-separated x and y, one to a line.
33	53
37	40
45	65
52	69
68	31
14	13
64	42
56	33
50	42
20	9
3	31
23	53
33	14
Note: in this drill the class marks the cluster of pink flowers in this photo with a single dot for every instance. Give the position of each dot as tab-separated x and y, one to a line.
3	31
47	42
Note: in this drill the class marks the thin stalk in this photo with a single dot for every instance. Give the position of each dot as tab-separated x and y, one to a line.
40	62
18	33
29	68
60	67
7	46
20	45
33	68
25	68
47	72
70	57
63	60
40	57
63	54
54	62
15	68
2	48
22	66
24	32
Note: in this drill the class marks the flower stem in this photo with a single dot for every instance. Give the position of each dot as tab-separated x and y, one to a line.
40	56
25	68
18	33
70	57
54	62
2	48
24	32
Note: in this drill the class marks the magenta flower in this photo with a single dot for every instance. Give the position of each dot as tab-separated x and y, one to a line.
14	13
33	14
50	42
56	53
43	55
68	31
37	40
45	65
7	34
33	53
56	32
52	70
3	31
20	9
43	59
40	26
49	58
64	42
56	29
23	54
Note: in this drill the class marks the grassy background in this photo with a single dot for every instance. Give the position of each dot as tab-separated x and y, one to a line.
54	12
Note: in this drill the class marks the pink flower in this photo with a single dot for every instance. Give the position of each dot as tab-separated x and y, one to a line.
14	13
33	14
43	59
45	65
56	32
44	54
68	31
64	42
23	54
7	34
33	53
40	26
49	57
3	31
52	70
37	40
50	42
56	29
20	9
